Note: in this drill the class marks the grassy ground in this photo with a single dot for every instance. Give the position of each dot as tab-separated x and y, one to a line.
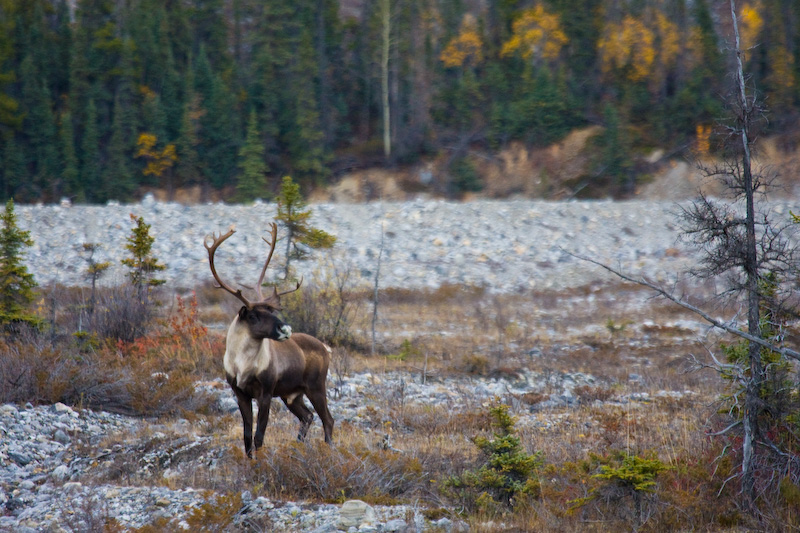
633	452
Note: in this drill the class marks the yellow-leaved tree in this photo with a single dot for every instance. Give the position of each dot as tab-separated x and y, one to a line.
750	24
627	47
158	162
466	47
536	35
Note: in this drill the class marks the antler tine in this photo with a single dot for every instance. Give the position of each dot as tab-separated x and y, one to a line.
274	231
291	290
211	251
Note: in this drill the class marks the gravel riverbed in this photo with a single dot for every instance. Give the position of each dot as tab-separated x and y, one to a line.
502	245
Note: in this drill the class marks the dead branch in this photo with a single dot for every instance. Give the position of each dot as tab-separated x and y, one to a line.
786	352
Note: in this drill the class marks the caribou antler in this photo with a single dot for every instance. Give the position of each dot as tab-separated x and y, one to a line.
274	231
274	299
211	250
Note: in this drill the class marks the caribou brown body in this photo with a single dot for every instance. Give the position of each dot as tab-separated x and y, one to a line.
264	360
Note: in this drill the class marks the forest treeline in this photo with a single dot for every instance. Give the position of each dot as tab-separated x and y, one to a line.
99	98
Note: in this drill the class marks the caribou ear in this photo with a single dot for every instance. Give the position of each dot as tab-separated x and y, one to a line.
243	312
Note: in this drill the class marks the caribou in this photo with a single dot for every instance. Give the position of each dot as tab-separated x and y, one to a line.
264	359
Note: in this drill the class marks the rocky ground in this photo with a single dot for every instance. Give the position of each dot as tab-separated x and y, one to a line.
50	456
502	245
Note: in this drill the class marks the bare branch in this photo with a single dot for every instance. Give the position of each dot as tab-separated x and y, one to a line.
786	352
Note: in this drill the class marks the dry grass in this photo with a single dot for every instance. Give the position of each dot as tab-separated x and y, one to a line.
643	401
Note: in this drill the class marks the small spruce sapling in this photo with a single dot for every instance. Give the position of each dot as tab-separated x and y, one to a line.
16	283
508	475
293	215
142	264
94	270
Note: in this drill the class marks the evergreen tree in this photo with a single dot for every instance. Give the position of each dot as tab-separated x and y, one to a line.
252	180
16	283
189	170
118	181
90	156
69	174
14	172
219	140
306	145
118	178
208	19
142	264
10	117
293	215
40	127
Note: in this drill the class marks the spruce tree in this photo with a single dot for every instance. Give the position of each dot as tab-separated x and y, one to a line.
118	180
40	127
13	168
189	166
16	283
219	138
252	181
118	177
69	173
293	215
307	146
142	264
90	154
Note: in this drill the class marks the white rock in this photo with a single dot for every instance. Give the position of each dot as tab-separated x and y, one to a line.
355	513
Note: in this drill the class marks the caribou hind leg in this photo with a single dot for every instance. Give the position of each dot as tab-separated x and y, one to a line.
298	408
320	402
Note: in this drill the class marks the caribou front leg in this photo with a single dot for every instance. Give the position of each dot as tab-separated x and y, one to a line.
246	410
263	418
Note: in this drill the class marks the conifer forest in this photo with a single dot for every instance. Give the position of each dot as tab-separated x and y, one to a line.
101	98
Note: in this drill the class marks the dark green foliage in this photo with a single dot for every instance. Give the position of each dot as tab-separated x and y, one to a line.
191	72
14	170
90	156
69	173
218	145
614	145
508	473
778	395
624	485
16	283
465	177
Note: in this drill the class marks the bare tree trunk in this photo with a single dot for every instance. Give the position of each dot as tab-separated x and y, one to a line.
752	399
386	18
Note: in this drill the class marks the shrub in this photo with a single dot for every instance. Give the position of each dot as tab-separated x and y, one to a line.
152	375
119	314
508	475
216	514
625	479
329	310
315	470
465	177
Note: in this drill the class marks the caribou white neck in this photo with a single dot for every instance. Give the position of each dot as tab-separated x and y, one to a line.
244	355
